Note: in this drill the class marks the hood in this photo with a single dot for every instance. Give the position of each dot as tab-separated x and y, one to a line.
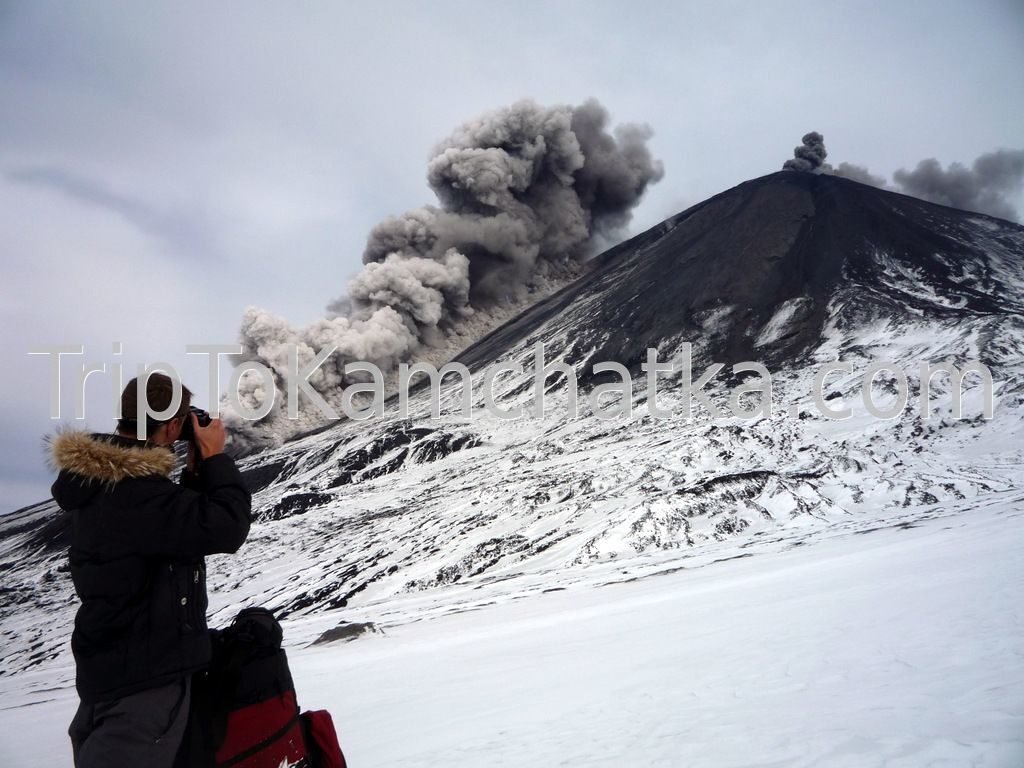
91	463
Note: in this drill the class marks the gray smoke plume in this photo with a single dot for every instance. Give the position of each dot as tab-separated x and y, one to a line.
810	156
858	173
985	187
522	191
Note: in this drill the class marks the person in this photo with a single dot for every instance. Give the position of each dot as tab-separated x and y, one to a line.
138	542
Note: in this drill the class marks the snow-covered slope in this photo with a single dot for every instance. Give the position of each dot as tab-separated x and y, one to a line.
898	648
396	520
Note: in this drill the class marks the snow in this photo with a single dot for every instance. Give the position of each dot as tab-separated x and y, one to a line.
782	321
791	590
896	647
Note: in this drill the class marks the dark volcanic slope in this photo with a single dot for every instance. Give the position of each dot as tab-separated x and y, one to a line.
784	237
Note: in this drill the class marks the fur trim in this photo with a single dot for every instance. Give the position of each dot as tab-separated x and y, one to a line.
99	458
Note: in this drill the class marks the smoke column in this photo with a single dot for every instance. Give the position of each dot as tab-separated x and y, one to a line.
810	156
522	191
986	187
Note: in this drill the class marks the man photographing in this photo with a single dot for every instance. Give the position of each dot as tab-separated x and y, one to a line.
138	542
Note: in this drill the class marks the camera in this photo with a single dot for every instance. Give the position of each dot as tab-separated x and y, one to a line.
203	417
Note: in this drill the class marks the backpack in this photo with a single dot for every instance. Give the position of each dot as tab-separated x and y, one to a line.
244	709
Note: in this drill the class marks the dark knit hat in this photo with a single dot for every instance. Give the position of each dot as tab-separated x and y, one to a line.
159	391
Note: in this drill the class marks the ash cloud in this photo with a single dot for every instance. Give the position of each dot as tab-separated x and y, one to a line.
522	192
987	186
859	173
810	156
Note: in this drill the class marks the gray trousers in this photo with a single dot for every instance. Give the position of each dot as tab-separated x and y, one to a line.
142	729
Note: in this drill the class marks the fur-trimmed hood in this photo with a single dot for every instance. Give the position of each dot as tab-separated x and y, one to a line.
89	463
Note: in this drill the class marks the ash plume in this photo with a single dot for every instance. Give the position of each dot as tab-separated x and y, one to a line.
988	186
810	156
985	187
859	173
522	192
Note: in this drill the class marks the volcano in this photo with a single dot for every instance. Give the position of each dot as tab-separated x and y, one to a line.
795	243
394	520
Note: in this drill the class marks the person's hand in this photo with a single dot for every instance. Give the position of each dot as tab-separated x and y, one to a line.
209	440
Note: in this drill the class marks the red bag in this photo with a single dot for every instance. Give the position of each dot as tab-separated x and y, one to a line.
247	712
266	734
322	739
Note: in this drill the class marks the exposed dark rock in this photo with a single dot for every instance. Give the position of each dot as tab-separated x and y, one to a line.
442	444
259	476
484	555
347	632
356	465
391	465
729	525
54	534
297	503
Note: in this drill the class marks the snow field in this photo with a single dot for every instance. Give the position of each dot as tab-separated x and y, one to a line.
901	648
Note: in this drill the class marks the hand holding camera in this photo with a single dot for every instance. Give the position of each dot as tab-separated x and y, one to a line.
205	434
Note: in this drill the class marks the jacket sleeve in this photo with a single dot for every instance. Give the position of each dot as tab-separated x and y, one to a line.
209	515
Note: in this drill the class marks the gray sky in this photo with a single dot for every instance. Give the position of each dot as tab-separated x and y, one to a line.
163	165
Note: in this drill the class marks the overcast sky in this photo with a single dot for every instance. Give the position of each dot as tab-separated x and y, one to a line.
163	165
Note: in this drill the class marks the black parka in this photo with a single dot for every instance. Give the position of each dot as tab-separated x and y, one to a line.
137	546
